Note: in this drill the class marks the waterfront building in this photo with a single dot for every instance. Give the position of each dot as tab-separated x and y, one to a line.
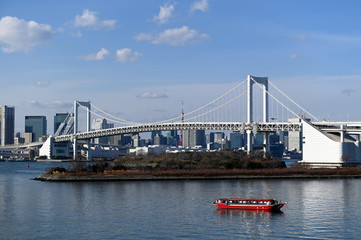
18	139
37	125
28	137
294	138
330	148
7	125
236	140
59	118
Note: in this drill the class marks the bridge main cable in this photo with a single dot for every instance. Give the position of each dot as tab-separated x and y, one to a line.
204	106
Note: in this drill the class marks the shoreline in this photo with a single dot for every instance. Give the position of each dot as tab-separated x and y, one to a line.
149	177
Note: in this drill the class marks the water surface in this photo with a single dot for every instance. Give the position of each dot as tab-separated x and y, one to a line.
316	209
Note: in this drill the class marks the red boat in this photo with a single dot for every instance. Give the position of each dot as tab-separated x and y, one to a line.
249	204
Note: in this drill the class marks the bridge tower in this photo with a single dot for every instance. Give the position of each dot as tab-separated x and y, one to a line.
75	142
250	132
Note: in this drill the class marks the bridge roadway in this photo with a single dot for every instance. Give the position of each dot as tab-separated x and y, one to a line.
231	126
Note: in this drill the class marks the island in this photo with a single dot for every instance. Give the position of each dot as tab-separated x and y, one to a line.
191	166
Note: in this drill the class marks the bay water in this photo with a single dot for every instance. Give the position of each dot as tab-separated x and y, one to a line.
29	209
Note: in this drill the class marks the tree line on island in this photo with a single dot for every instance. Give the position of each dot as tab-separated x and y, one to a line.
186	161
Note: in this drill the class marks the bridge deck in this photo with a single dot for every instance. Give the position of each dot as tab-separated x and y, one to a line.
231	126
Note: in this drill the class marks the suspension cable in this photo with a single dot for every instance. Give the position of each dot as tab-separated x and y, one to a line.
103	116
292	101
125	121
206	105
259	85
214	109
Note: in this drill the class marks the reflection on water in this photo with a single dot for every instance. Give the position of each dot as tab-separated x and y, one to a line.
247	213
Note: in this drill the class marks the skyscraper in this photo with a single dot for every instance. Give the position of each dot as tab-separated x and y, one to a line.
37	125
98	124
7	125
237	140
193	138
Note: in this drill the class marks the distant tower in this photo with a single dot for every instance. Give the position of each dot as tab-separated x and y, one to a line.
181	132
7	124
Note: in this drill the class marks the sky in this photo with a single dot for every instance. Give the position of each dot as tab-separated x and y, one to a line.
140	59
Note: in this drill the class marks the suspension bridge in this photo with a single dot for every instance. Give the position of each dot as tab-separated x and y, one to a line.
254	106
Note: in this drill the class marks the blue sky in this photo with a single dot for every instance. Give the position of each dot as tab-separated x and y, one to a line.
140	59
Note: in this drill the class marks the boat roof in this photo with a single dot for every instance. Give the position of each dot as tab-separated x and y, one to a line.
247	199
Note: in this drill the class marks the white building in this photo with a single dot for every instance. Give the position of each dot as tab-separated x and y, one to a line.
330	148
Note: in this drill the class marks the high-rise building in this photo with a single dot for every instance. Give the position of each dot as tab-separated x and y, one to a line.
98	124
218	137
7	125
294	138
154	134
172	138
37	125
58	119
236	140
193	138
157	139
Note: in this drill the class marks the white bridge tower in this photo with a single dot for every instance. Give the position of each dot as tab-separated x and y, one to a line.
250	132
75	142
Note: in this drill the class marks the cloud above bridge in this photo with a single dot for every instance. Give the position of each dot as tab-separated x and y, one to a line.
51	104
90	19
165	13
201	5
96	57
174	37
19	35
152	95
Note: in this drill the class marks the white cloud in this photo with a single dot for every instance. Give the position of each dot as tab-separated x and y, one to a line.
293	56
77	34
152	95
200	5
90	19
125	55
165	13
98	56
20	35
174	37
42	83
348	91
300	37
52	104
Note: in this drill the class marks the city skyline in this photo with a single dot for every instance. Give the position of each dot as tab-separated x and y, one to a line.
138	60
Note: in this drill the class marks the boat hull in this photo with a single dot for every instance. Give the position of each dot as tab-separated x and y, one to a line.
249	204
250	207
